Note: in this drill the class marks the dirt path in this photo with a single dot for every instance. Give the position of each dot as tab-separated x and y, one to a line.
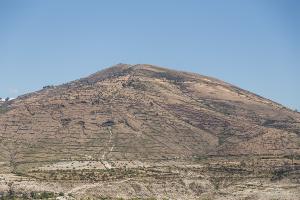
111	147
83	188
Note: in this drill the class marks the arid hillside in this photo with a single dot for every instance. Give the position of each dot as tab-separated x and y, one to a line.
136	116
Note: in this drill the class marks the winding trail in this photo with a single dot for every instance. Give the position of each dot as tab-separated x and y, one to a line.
105	153
84	187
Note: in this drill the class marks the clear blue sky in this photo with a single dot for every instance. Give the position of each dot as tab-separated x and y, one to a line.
252	44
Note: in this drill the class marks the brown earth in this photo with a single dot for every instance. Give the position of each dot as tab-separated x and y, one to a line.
140	131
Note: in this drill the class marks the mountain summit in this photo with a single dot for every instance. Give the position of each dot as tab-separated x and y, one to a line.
140	114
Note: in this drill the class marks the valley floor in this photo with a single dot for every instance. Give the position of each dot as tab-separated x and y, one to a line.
200	178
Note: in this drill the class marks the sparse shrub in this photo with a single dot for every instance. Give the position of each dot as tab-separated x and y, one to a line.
48	87
65	121
47	195
33	195
25	196
3	108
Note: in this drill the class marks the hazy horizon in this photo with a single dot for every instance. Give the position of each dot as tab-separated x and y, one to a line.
253	45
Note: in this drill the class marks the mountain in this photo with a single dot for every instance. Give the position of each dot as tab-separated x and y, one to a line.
135	116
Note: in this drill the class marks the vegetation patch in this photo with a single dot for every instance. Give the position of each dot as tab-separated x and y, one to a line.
4	107
283	172
85	174
11	195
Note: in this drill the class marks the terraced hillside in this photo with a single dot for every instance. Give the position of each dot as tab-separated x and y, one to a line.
146	126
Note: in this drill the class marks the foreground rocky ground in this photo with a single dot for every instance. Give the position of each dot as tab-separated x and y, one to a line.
140	131
195	178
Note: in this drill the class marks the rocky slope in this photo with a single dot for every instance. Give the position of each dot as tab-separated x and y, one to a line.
135	116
